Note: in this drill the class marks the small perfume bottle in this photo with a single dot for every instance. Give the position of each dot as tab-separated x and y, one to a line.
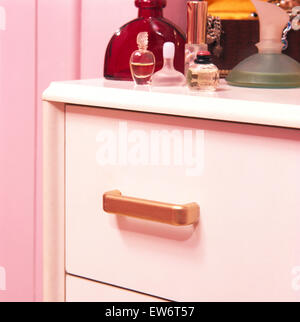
168	75
196	31
142	61
203	75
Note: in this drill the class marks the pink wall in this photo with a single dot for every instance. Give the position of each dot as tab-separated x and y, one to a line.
17	148
41	42
33	51
58	48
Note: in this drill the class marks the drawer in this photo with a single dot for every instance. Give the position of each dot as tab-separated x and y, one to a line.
245	179
82	290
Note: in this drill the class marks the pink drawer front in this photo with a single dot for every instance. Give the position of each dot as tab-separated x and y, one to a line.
82	290
245	179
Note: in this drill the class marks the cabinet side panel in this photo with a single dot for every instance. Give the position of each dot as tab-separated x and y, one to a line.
54	202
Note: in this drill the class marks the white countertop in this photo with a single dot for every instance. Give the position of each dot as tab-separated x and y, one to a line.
277	107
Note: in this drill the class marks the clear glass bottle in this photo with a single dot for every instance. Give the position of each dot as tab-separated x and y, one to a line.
168	75
142	61
203	75
160	30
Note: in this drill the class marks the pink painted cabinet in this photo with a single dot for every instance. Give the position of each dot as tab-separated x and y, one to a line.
172	148
244	246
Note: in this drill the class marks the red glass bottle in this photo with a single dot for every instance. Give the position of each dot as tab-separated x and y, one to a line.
160	30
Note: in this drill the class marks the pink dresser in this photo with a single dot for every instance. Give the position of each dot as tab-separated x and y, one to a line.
217	175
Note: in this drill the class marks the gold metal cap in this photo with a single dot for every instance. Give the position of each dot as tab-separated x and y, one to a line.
196	22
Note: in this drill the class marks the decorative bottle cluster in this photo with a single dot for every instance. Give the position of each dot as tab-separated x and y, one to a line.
163	54
152	51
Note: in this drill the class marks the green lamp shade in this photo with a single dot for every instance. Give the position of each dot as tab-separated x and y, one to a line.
266	71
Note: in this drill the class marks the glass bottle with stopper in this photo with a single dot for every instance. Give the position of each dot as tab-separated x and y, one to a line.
202	74
142	61
269	68
168	75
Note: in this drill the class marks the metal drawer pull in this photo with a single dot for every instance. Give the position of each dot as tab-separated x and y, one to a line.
176	215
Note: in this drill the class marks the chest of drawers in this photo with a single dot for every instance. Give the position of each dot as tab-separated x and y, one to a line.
170	196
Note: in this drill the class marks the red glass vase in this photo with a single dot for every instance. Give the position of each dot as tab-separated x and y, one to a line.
160	30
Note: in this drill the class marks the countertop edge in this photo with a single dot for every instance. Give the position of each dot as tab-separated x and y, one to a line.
261	113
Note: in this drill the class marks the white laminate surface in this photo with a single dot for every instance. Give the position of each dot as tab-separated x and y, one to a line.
276	107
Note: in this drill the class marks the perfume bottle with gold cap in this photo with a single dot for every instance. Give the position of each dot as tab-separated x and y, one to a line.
196	31
142	61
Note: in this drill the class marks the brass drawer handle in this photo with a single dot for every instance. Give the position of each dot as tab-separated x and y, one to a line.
176	215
